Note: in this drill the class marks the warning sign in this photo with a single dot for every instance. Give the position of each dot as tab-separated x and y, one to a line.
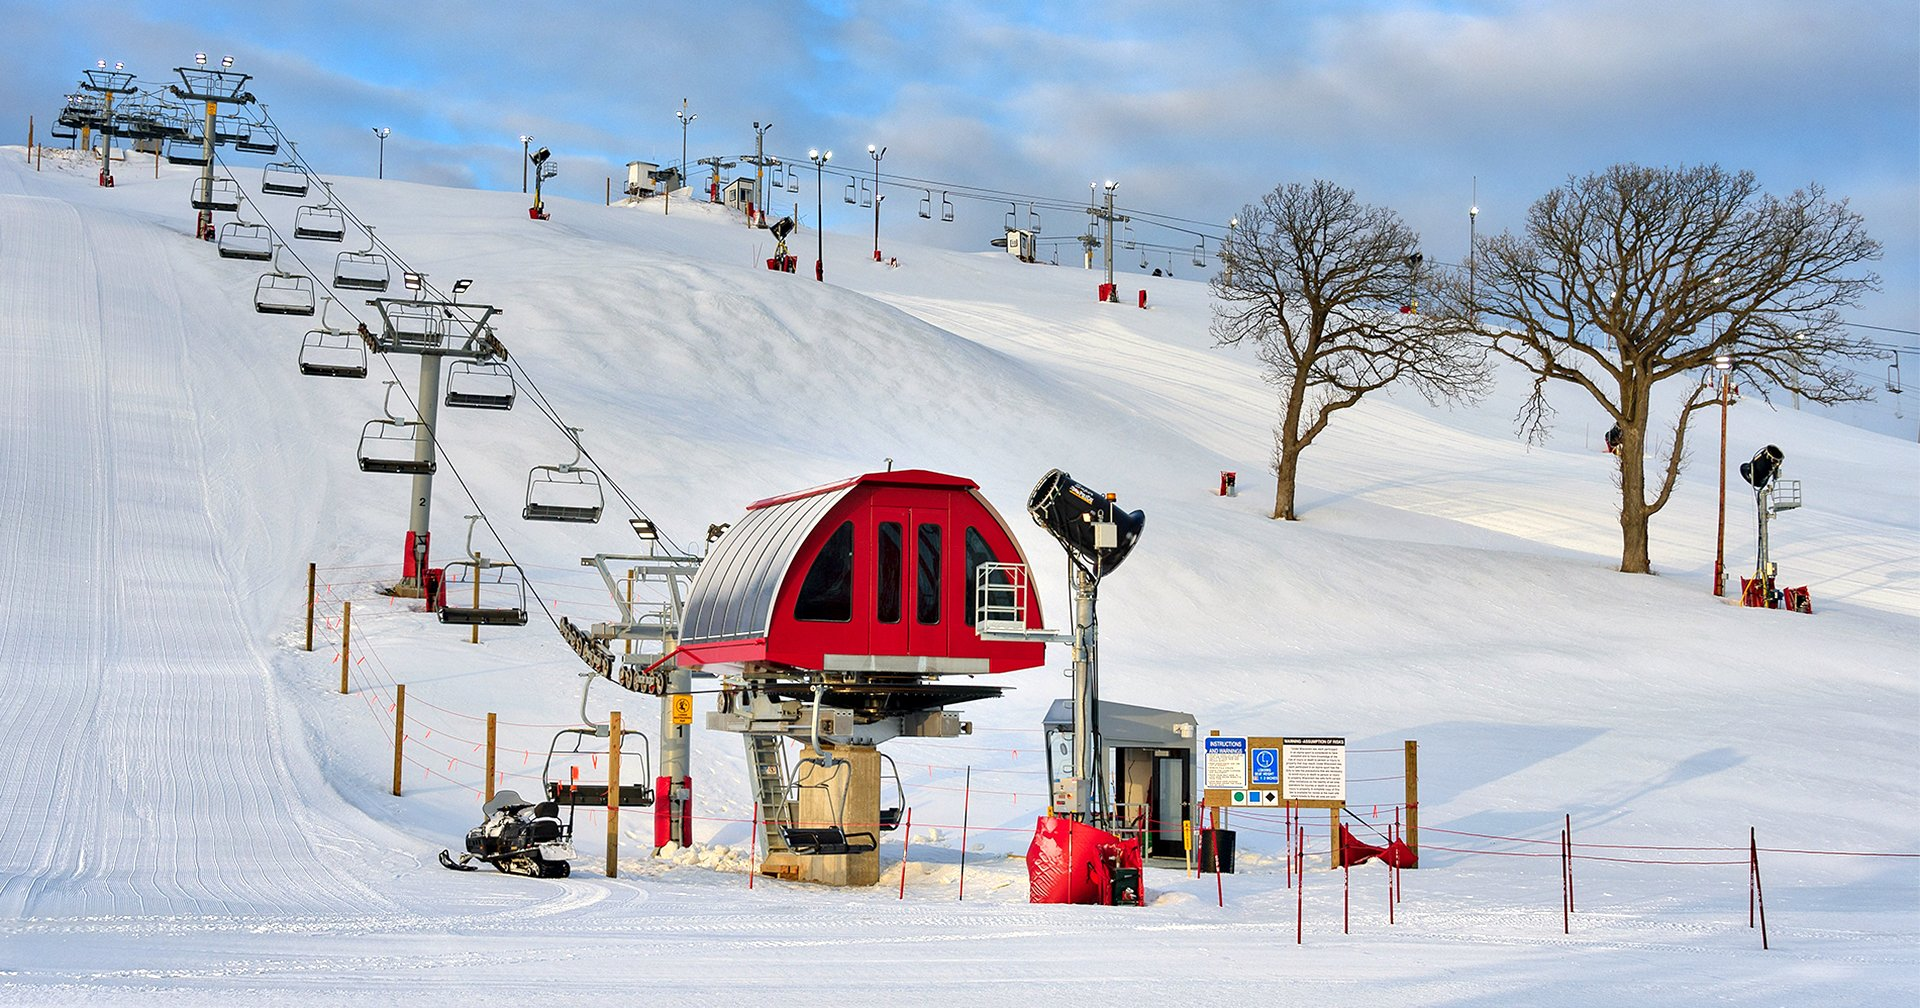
1226	762
1316	769
682	708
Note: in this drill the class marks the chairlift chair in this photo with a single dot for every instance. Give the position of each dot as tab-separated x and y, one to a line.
365	270
186	150
283	293
926	206
946	208
1200	254
503	593
890	817
824	840
229	129
793	181
241	240
59	131
480	385
1033	219
564	493
392	445
283	178
572	792
851	196
320	222
1893	376
260	139
327	352
866	195
216	194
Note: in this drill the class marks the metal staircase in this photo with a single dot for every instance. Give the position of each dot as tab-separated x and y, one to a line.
769	788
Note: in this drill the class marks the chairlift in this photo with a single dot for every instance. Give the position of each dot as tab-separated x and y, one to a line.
327	352
1200	254
283	178
503	593
230	129
63	132
320	222
1893	375
1126	233
365	270
393	445
216	194
793	181
283	293
777	178
866	195
260	139
571	791
564	493
241	240
1033	219
850	196
1011	222
926	206
480	385
946	208
187	151
1143	259
890	818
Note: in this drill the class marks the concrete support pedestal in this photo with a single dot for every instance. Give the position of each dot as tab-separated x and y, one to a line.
856	774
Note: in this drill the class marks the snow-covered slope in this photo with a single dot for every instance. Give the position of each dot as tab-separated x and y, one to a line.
188	809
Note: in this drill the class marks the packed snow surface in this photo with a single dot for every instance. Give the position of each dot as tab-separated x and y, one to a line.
190	812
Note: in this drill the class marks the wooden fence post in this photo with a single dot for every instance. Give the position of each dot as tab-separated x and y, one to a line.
346	642
399	731
310	577
476	595
1333	841
492	723
613	794
1413	799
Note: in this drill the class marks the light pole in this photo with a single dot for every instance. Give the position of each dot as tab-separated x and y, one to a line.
1724	365
819	159
759	171
383	133
876	153
1473	221
686	120
525	142
1110	292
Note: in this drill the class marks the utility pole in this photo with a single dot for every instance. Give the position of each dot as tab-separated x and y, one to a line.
1473	220
819	159
1724	365
686	120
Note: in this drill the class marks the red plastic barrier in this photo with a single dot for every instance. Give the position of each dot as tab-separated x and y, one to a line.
1396	854
1072	862
1143	298
1106	292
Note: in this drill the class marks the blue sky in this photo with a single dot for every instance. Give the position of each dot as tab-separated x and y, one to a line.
1195	110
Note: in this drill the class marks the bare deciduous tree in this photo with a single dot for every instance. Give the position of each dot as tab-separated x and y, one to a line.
1317	281
1635	276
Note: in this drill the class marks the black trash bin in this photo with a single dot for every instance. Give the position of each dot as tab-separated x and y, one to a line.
1216	851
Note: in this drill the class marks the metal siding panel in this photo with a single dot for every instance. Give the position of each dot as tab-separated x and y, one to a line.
734	595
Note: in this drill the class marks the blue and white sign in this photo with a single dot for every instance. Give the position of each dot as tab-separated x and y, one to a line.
1266	767
1226	762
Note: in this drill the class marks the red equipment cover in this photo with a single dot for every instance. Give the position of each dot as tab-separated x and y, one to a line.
1072	862
1395	854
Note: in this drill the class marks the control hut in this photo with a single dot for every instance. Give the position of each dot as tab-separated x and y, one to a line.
849	610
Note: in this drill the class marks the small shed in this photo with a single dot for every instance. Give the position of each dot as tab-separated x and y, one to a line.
641	180
737	194
871	574
1149	756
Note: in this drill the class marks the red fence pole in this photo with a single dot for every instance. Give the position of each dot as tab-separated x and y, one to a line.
1570	903
906	841
966	800
1760	894
1566	879
753	847
1300	892
1346	900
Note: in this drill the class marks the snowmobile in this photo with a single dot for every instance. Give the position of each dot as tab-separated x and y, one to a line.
518	837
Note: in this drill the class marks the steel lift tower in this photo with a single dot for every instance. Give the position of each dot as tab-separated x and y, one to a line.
108	83
201	83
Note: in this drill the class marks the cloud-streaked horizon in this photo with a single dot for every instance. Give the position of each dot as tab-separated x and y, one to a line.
1197	111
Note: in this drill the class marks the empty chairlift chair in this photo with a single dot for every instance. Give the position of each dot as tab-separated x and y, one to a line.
562	784
186	150
393	445
283	178
823	839
283	293
480	385
241	240
365	271
566	492
320	222
260	139
216	194
502	590
327	352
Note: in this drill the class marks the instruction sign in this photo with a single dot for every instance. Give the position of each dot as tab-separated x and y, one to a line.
1315	769
682	708
1226	762
1265	767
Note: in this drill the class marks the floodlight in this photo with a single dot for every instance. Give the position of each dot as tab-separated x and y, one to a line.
644	528
200	58
460	286
813	152
540	156
413	280
102	64
117	65
1724	362
226	62
1088	524
1764	468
